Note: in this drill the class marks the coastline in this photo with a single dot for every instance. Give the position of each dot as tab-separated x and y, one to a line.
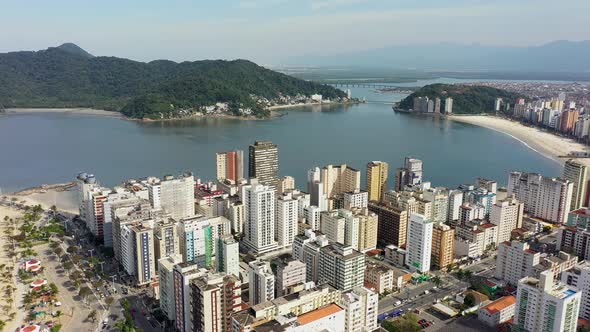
75	110
543	142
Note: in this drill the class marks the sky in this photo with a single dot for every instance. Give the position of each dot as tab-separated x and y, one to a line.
270	31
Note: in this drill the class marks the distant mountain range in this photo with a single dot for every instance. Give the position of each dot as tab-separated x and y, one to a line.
557	56
68	76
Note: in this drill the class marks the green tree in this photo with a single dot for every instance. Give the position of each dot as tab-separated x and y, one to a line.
92	315
53	288
437	281
469	300
84	292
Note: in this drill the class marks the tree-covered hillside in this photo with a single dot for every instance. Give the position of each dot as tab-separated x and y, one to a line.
67	76
466	99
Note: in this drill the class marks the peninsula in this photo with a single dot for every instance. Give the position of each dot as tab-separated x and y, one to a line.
69	77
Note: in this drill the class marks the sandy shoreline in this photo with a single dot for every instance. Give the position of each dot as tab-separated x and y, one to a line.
86	111
546	143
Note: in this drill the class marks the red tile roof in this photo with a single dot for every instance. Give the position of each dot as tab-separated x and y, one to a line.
500	304
318	314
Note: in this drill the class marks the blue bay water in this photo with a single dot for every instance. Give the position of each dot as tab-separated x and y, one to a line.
49	148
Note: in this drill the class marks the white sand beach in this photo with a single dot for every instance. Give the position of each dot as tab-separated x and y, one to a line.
544	142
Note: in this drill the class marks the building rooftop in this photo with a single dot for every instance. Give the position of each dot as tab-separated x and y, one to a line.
500	304
312	316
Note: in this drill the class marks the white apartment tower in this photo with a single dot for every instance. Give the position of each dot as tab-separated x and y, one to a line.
356	199
165	273
507	215
515	260
419	245
175	195
228	255
361	307
261	283
579	277
259	227
542	305
333	225
286	219
543	197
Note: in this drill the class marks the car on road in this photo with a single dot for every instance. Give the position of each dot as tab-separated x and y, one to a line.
397	303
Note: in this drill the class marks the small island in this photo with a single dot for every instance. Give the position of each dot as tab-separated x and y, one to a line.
69	77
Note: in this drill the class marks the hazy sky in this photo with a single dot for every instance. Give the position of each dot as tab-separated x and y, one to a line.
270	30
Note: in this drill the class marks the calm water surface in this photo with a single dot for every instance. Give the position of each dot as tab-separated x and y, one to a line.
50	148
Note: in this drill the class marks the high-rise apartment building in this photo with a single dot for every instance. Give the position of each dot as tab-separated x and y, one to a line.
214	298
489	185
368	229
419	244
198	238
290	277
340	179
443	245
341	266
356	199
410	174
286	220
507	215
84	184
515	261
166	289
542	305
577	174
437	105
449	105
137	252
543	197
312	216
261	282
175	195
264	163
454	208
377	172
579	277
333	225
228	255
230	165
391	224
166	240
361	307
306	248
260	217
286	183
439	198
183	274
